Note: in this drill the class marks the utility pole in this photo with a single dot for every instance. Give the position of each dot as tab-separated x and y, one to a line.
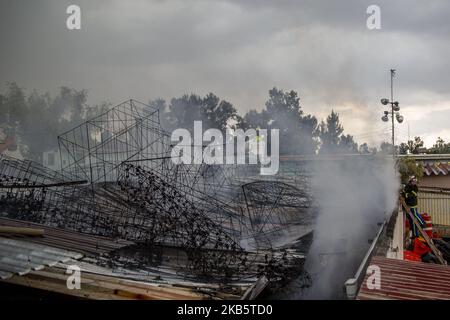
394	110
409	136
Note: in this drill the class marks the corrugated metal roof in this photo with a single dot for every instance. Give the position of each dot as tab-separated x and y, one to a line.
66	239
436	168
36	262
20	257
408	280
97	286
43	267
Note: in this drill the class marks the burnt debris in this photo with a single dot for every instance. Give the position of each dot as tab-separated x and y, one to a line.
212	221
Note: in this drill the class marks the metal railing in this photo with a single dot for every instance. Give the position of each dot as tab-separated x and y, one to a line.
352	285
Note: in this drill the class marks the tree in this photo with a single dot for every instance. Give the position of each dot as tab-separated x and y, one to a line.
254	119
403	148
14	107
37	120
284	108
298	132
39	130
411	146
407	166
347	144
386	148
284	111
3	112
184	111
96	110
161	105
364	149
309	133
440	147
217	113
415	145
211	110
330	133
49	117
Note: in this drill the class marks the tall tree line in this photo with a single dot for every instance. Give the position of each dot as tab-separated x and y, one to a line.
36	119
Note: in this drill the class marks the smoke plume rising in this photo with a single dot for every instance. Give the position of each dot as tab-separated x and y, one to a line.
352	195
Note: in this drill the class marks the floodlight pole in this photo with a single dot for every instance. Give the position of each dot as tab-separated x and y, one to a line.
392	110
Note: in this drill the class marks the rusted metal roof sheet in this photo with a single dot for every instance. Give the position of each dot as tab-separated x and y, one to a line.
436	168
20	257
408	280
66	239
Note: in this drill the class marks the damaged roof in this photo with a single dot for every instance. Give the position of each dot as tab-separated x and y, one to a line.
86	244
21	257
40	262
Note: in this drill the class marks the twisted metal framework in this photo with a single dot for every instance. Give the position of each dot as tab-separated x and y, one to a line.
129	131
27	189
119	180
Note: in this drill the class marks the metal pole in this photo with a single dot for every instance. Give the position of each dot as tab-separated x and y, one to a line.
392	111
409	137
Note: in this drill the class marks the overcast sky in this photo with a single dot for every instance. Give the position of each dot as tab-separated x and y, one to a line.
239	50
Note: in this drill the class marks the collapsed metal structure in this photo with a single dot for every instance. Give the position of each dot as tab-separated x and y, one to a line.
118	180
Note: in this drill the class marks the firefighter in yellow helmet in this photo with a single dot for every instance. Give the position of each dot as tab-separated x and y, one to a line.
410	192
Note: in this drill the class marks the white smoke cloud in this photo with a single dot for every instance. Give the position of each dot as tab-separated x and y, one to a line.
353	195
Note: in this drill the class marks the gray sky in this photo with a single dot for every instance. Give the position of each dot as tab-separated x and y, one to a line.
239	50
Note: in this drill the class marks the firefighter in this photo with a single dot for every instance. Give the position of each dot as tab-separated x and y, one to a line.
410	194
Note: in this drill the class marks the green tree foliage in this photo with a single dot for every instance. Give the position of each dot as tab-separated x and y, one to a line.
183	111
332	138
411	146
309	134
330	133
408	166
217	112
415	145
254	119
285	114
14	106
298	132
37	119
403	148
440	147
347	144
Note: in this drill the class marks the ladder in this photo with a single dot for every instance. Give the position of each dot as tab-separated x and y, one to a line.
429	241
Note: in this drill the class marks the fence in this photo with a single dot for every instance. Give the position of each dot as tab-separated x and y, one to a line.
437	205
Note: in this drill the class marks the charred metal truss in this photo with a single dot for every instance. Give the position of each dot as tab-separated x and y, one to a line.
118	180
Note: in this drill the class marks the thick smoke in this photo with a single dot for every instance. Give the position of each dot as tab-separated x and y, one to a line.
353	195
